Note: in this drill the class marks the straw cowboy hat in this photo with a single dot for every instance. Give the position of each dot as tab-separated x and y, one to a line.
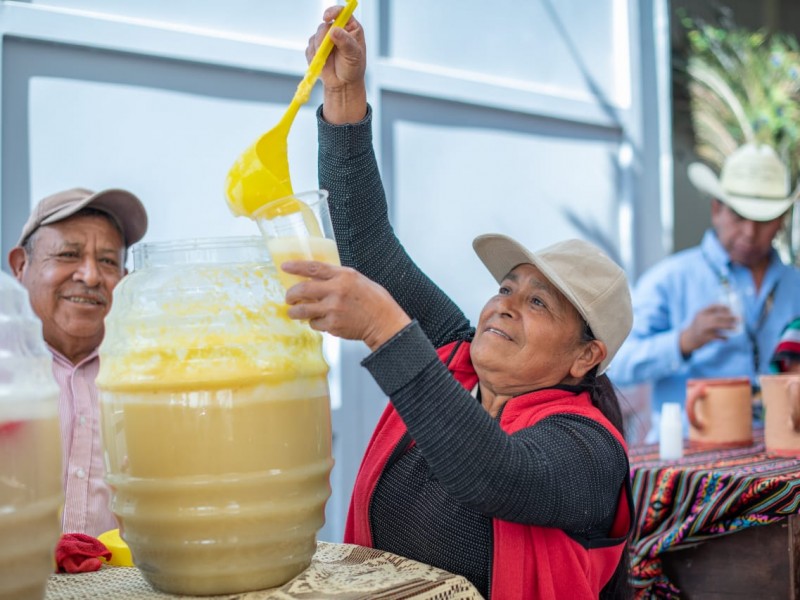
754	182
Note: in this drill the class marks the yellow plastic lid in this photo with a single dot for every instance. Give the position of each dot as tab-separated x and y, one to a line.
120	553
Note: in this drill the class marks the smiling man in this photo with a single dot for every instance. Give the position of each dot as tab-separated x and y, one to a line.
70	257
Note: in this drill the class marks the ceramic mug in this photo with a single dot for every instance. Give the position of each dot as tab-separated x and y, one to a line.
781	396
720	412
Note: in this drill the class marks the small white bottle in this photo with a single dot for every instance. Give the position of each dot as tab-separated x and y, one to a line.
670	442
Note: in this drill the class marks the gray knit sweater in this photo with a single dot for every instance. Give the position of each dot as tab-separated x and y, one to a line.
435	502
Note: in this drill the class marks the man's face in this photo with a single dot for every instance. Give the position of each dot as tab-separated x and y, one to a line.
747	242
70	273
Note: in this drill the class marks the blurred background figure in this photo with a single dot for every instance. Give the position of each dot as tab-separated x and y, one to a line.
717	310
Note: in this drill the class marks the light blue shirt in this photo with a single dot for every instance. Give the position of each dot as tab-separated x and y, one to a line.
669	295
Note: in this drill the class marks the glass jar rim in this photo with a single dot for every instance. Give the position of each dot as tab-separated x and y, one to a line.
211	250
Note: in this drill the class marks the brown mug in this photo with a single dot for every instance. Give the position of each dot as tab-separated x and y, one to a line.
720	412
781	397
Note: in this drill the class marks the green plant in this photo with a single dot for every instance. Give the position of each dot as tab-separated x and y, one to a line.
744	86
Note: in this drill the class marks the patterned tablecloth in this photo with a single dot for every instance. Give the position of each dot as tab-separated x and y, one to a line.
337	571
704	495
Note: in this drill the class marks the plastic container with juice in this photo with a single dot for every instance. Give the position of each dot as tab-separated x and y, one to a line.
298	227
216	419
297	248
30	449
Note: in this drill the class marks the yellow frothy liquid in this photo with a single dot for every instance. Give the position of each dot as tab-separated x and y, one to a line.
204	515
283	249
30	504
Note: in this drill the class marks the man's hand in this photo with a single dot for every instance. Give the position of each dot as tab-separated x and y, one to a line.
343	302
708	325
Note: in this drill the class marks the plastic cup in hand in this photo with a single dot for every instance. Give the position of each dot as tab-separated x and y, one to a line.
298	227
729	296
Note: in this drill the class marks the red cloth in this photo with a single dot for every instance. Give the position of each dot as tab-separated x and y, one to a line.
80	553
10	427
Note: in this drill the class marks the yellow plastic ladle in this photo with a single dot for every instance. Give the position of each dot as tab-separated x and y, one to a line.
261	173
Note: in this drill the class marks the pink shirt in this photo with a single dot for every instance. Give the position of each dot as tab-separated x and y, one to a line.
87	497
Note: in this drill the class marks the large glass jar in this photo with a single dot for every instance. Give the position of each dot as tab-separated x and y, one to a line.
216	419
30	449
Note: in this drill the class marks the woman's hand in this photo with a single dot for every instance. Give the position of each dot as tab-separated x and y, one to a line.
343	302
342	76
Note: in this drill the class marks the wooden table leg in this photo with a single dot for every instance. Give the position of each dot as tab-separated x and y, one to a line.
794	557
759	562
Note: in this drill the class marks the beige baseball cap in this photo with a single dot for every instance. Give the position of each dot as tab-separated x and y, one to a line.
595	285
754	182
125	208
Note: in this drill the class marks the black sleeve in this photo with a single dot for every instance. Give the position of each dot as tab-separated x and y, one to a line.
565	471
365	238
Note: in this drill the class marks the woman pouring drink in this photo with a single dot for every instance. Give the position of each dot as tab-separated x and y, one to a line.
500	455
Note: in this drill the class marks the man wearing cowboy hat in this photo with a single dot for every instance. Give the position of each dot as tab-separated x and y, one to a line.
70	257
718	309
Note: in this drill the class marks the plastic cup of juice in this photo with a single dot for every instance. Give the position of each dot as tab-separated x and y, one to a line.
298	227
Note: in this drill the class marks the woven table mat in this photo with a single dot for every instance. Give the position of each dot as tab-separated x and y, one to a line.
337	571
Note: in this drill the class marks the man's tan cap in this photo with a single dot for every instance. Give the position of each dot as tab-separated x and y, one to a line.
121	205
594	284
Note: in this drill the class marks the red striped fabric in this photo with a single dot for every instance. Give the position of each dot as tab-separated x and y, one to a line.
87	497
705	494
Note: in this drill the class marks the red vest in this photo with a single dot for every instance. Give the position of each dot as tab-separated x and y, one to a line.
529	562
